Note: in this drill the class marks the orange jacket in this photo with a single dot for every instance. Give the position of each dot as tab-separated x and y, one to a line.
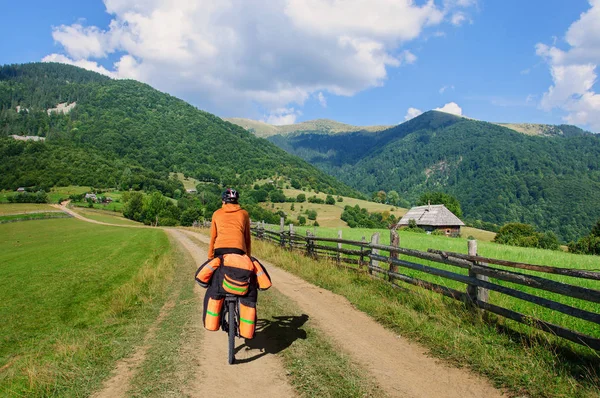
230	228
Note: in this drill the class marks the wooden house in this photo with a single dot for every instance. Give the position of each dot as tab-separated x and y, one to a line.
431	218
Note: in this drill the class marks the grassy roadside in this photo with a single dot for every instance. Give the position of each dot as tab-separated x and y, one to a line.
535	364
166	369
315	365
75	297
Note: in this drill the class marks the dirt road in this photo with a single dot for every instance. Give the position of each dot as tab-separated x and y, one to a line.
401	368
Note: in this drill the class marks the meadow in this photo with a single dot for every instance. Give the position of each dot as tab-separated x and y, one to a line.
329	215
105	216
423	242
75	298
22	208
526	364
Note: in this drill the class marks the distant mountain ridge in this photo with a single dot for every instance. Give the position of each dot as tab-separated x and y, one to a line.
550	179
325	126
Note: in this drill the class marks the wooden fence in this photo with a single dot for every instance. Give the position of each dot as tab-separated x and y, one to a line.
368	257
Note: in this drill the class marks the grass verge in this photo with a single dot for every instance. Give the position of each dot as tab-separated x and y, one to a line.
166	369
76	298
531	363
315	365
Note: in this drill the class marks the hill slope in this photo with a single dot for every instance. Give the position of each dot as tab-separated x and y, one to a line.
498	174
127	133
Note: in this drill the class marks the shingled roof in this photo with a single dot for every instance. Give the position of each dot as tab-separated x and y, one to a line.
432	215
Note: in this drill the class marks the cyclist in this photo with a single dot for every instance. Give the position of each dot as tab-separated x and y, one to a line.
230	269
230	227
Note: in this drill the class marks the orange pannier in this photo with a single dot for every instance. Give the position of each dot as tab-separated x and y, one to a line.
212	318
247	321
262	277
237	270
206	270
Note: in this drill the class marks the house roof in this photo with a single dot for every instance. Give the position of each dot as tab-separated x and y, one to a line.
432	215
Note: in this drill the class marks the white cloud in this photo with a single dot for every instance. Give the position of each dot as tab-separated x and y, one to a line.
574	71
451	107
226	57
322	99
82	63
458	18
447	87
412	113
407	57
282	116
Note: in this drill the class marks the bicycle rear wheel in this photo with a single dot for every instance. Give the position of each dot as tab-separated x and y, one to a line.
231	332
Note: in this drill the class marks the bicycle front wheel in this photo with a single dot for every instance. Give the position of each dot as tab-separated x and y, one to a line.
232	325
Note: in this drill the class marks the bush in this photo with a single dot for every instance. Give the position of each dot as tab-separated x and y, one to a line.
314	199
525	235
301	198
589	244
277	196
340	199
301	220
357	217
29	197
311	214
330	200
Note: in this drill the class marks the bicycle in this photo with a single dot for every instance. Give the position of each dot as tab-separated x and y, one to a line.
230	323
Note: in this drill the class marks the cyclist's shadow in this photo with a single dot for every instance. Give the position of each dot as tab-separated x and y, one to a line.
274	336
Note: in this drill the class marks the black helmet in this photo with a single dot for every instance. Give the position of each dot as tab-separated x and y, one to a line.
230	196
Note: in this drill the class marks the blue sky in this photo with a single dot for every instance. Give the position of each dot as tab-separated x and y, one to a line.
357	62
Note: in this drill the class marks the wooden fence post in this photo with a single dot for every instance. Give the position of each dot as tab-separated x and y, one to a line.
309	245
473	292
282	232
291	234
374	241
394	242
362	255
339	246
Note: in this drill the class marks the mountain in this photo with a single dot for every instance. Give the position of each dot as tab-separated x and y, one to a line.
106	132
318	126
499	175
546	130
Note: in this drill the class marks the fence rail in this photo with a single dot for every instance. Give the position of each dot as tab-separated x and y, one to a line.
367	256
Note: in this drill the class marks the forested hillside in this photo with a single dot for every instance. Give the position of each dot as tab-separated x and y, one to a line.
498	174
122	132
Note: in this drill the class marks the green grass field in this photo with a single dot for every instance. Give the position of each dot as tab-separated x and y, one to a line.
487	249
526	364
108	217
75	298
32	216
20	208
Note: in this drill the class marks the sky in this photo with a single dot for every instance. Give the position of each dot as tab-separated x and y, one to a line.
362	62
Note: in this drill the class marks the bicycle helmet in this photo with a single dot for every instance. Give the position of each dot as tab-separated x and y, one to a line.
230	196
